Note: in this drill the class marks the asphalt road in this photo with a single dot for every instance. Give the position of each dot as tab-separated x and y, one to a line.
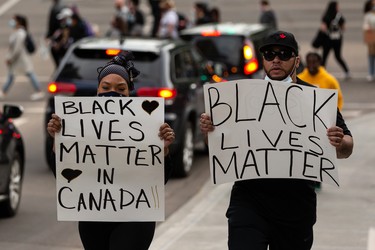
35	227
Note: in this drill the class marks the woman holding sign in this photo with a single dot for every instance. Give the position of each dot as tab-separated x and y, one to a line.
116	80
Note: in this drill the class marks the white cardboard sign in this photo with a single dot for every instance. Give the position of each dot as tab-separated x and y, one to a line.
109	159
270	129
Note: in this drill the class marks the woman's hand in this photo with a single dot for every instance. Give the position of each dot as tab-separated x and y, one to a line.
167	134
206	126
54	125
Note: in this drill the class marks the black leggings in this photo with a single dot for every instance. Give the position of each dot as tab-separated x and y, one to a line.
336	46
116	235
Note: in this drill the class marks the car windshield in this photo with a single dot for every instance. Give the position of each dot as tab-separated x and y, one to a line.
226	49
82	65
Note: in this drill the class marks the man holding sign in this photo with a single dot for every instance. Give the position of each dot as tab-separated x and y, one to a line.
275	212
117	149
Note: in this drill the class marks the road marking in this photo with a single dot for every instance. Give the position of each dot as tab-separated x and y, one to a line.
7	5
371	239
189	215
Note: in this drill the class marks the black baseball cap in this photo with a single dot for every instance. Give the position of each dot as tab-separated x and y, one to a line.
280	38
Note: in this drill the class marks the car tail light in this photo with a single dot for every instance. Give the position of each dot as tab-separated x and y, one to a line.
112	52
251	67
247	52
166	93
16	135
211	33
251	62
61	87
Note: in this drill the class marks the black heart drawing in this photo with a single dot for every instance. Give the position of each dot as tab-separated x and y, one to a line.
149	106
71	174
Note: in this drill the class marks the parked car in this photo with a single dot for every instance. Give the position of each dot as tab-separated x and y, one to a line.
174	70
12	160
234	44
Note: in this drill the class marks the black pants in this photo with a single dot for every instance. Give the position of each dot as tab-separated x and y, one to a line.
116	235
248	230
336	46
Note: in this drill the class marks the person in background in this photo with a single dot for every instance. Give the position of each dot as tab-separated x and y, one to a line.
60	38
215	15
168	26
119	22
369	37
115	79
156	13
267	16
135	19
278	213
333	23
314	73
17	58
53	25
202	13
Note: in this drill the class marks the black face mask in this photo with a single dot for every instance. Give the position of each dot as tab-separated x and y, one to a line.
110	94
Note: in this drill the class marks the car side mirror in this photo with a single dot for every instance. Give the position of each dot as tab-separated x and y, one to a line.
12	111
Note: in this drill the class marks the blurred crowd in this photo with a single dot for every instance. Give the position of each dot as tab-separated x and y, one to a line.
66	25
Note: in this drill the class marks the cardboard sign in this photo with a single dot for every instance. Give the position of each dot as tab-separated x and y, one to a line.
270	129
110	159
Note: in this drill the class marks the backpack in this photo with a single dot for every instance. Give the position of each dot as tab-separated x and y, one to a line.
29	43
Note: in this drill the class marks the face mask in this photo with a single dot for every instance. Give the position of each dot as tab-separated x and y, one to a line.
110	94
12	23
69	22
288	79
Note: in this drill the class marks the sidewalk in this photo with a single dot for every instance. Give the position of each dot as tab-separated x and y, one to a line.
346	215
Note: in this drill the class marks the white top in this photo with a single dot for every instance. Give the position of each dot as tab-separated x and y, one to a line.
169	18
17	54
369	21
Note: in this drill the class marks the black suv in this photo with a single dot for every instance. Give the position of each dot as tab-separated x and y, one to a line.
234	44
174	70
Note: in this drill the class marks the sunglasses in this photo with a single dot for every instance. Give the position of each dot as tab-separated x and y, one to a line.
283	55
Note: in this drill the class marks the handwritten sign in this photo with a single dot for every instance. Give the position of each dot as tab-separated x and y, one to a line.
270	129
109	159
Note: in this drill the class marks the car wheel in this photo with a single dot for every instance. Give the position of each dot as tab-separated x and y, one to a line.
185	155
9	207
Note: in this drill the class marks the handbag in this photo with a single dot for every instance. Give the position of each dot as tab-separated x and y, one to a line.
320	39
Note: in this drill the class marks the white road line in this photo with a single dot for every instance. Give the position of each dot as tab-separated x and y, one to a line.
7	5
371	239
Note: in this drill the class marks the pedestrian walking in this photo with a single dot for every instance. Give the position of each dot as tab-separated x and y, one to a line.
115	79
268	15
168	26
317	75
156	14
277	213
53	25
369	38
333	23
18	59
135	19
